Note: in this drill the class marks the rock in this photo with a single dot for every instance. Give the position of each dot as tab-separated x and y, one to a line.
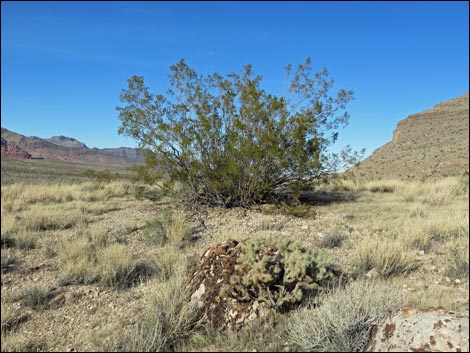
66	298
411	329
71	297
57	300
11	150
372	274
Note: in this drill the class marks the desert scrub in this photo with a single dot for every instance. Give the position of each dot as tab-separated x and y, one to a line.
388	257
94	257
168	227
40	218
169	318
433	193
36	296
300	211
9	261
384	185
280	273
340	320
458	253
11	317
330	241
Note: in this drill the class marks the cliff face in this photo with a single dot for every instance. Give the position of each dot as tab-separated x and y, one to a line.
431	143
11	150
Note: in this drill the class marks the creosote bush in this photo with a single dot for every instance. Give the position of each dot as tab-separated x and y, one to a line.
227	141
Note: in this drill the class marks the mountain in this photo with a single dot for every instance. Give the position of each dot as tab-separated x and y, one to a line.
11	150
131	153
66	142
434	142
63	148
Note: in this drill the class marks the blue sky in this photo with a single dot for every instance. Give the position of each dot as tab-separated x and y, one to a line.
63	64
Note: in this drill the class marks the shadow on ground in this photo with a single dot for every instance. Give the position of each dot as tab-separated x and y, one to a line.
321	198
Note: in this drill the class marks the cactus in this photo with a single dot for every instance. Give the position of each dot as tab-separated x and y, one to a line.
279	273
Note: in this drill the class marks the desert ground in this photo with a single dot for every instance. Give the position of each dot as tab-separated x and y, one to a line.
101	264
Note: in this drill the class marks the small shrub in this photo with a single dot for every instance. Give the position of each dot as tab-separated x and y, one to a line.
36	296
154	230
341	320
331	241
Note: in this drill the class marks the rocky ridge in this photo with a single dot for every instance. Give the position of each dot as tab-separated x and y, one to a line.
431	143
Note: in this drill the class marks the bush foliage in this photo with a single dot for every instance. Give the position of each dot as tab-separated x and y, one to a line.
227	140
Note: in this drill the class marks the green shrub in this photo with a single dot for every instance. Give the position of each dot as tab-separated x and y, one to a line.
228	141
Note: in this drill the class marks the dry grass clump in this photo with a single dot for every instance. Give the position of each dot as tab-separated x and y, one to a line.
384	185
26	194
168	227
92	256
169	317
41	218
388	257
341	319
433	297
36	296
458	254
9	261
438	228
11	318
331	241
433	193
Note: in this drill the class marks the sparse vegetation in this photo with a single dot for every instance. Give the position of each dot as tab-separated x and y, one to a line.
341	320
388	258
97	236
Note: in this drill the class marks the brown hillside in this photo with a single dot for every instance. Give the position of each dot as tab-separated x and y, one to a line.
11	150
40	148
431	143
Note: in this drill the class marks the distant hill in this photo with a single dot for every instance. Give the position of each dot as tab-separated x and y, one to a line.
66	142
431	143
66	149
131	153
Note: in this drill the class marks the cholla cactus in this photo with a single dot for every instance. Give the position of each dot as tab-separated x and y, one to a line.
279	273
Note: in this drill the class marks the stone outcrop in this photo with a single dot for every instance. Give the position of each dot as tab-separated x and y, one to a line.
11	150
415	330
431	143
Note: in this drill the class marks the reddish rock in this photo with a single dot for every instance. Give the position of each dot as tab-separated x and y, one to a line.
11	150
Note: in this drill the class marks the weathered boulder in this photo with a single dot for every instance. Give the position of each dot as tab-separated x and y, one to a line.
415	330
